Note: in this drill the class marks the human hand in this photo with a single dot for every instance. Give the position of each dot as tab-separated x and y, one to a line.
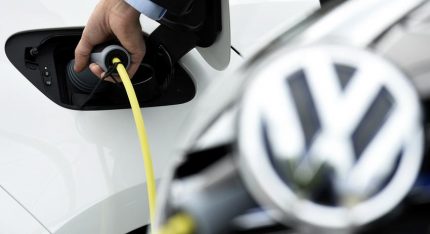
111	19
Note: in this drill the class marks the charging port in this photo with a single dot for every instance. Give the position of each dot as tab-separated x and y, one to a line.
158	82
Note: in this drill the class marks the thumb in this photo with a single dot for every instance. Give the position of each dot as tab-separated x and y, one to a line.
96	70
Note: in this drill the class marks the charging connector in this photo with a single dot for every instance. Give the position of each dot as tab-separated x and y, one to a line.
86	81
103	56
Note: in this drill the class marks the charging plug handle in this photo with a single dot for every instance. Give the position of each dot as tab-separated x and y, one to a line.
104	56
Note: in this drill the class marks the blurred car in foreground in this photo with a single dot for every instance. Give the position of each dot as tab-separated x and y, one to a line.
323	130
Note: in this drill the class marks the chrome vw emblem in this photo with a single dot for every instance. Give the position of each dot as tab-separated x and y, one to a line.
330	136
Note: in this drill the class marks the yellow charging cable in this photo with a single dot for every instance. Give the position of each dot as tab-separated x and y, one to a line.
140	125
180	223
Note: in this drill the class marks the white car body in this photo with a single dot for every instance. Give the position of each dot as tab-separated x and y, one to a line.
68	171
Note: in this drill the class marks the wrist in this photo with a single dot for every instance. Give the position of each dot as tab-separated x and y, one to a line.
129	9
148	8
124	10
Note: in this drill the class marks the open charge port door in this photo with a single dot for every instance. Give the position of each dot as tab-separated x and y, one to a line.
42	57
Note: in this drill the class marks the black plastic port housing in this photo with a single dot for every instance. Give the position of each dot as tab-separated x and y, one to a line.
42	57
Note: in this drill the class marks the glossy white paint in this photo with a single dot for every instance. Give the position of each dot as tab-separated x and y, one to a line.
61	163
78	172
255	21
15	219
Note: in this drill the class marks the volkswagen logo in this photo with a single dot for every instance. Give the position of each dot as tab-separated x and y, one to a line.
329	136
